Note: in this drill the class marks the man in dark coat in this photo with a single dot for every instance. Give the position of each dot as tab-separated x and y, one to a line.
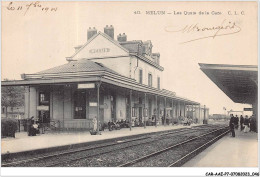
232	125
241	122
246	124
236	122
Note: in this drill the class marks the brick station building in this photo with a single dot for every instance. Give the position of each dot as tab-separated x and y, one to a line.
106	79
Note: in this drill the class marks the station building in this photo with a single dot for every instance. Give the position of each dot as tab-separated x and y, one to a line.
107	79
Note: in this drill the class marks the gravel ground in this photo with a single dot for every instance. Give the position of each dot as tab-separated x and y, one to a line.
120	157
29	156
166	158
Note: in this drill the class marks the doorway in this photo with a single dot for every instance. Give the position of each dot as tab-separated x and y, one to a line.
80	105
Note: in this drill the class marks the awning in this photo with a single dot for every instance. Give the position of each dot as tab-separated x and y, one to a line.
238	82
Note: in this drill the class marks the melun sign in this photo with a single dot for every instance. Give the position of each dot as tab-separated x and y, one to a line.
101	50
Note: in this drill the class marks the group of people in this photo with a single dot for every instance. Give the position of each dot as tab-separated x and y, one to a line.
247	124
117	125
33	126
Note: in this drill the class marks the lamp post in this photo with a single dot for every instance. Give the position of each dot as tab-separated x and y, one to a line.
204	119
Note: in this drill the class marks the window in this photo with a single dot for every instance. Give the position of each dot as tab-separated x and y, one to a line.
44	98
158	83
134	112
140	76
3	110
150	80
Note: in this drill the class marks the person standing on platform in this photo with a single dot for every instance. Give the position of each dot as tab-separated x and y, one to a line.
94	121
246	124
253	123
236	122
241	122
232	125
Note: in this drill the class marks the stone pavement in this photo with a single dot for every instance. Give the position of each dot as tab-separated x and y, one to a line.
22	142
241	151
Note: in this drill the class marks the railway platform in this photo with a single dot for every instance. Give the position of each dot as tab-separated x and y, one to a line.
241	151
23	143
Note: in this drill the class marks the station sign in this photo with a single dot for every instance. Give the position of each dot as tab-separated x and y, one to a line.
86	86
92	103
42	108
101	50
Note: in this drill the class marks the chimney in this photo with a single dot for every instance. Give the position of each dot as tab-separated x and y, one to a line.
156	57
122	38
91	32
109	30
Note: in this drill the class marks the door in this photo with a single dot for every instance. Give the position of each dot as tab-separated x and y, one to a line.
80	105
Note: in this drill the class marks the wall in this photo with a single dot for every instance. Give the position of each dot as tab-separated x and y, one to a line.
57	104
100	42
137	64
120	106
120	64
33	102
107	110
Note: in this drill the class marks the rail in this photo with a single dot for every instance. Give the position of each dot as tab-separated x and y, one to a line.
165	149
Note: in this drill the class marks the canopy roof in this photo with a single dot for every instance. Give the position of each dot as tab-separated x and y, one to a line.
238	82
84	70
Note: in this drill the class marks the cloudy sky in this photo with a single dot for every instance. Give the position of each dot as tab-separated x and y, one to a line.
34	39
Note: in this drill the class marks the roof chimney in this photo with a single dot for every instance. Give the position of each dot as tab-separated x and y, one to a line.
91	32
122	38
109	30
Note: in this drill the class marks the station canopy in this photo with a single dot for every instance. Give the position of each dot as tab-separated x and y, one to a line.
238	82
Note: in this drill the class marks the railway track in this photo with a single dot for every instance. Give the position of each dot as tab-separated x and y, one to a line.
57	159
144	160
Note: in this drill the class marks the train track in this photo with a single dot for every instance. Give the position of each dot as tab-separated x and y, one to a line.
132	142
43	157
181	160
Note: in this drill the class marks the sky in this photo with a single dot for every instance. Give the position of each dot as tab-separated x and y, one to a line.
35	38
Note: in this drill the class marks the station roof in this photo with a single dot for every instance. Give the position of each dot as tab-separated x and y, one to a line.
82	65
238	82
88	71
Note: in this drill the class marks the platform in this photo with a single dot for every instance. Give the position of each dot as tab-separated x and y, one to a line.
22	142
241	151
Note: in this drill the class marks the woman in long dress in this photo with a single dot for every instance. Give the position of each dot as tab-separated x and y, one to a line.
94	121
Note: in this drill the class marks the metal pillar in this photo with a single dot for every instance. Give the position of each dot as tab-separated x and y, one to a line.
98	90
63	106
156	110
28	108
172	113
184	112
204	119
144	110
199	114
164	123
130	107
